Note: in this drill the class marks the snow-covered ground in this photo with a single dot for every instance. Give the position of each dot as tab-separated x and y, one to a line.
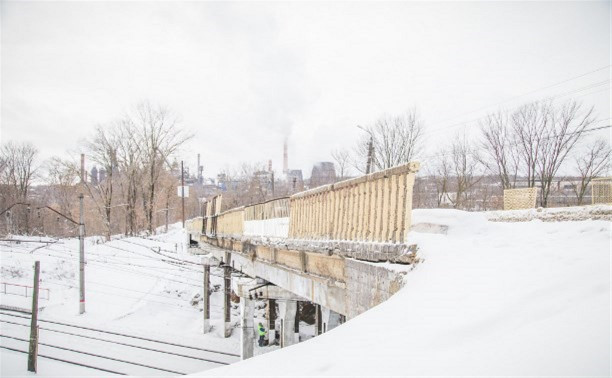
146	287
489	299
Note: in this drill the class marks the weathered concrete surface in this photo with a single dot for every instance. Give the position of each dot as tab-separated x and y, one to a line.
287	311
345	286
247	335
331	319
368	284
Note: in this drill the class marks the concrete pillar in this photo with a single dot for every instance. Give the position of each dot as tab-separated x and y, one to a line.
330	319
206	299
227	302
247	335
271	318
318	320
296	326
287	310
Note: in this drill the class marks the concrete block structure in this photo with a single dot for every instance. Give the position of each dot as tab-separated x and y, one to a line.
523	198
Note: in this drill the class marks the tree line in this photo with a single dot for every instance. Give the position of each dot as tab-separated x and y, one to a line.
135	151
524	147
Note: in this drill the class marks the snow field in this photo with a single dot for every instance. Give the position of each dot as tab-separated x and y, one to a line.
488	299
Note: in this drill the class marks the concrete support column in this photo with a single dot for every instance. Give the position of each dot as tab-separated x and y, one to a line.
227	302
296	326
271	318
247	335
206	299
287	310
318	320
330	319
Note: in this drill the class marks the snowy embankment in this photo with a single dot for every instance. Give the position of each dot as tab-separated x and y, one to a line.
144	287
489	299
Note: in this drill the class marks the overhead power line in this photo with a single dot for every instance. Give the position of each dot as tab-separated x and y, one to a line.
526	94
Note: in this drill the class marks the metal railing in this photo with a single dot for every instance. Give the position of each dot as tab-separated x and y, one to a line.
24	292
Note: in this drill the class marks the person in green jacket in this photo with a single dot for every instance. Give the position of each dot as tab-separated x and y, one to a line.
262	334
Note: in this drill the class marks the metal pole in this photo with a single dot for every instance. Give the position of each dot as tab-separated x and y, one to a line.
183	192
33	350
206	298
370	148
81	257
227	288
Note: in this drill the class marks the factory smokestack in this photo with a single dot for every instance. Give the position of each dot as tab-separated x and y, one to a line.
199	172
83	178
285	158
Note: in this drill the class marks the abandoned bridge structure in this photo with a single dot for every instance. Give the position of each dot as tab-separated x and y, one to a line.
325	246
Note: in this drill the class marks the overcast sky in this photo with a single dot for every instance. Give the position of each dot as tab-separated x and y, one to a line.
244	76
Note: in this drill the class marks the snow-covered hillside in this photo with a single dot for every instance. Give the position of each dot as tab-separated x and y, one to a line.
489	299
146	287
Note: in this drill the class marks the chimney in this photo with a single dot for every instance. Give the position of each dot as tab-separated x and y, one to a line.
285	158
83	179
270	165
199	171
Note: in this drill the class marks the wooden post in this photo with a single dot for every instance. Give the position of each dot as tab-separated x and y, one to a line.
206	298
33	350
227	304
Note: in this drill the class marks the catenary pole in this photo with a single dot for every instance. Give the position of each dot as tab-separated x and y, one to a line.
81	257
33	350
183	193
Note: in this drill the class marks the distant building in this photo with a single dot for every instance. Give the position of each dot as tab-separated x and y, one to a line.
295	180
322	173
101	175
93	178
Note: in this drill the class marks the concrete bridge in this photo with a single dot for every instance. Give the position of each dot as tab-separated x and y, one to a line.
343	247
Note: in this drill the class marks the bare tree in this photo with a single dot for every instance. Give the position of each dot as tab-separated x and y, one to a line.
442	177
529	125
102	148
128	159
342	159
19	161
396	140
19	168
566	126
501	155
159	138
464	167
62	176
594	162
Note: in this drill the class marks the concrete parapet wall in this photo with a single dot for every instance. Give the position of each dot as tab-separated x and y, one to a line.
375	207
276	208
274	227
231	222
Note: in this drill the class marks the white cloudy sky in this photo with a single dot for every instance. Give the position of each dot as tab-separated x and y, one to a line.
243	76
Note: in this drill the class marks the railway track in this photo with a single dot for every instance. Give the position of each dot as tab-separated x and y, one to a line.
126	354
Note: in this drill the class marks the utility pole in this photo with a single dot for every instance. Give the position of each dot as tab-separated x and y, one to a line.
370	150
166	230
33	350
183	192
81	257
370	153
206	298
